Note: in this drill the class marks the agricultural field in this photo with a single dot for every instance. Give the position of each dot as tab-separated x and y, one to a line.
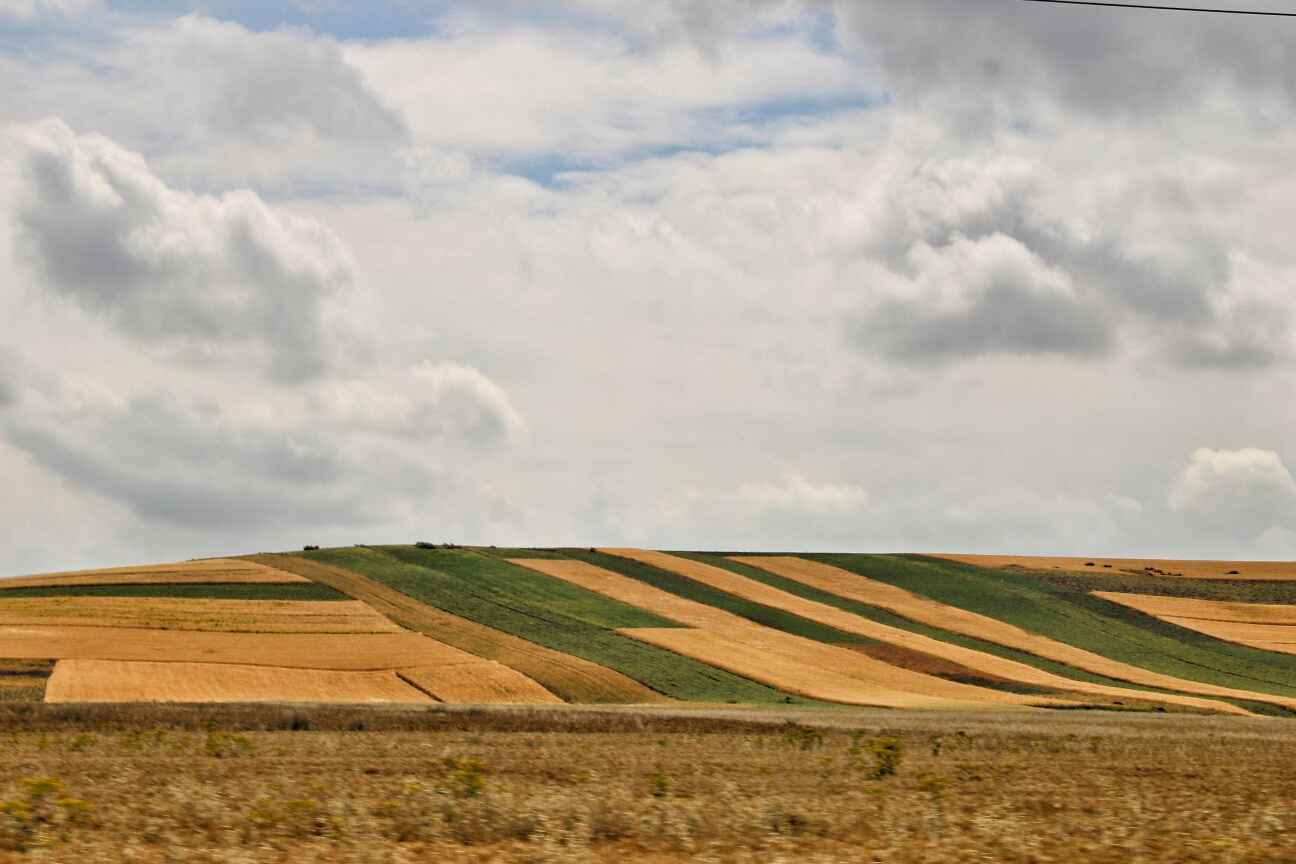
449	624
645	784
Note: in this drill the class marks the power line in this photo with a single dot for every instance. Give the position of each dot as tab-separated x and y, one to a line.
1167	8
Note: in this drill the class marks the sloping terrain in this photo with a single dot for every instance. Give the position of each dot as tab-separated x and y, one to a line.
231	616
1264	626
1255	570
211	570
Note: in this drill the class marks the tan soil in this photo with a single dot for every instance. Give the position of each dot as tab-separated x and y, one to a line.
474	684
1207	610
866	681
570	678
1258	570
135	681
348	652
750	589
792	676
164	613
208	571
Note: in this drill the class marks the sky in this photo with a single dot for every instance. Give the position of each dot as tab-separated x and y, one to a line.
992	276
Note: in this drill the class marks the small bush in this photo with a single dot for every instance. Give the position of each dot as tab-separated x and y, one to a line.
887	754
804	737
660	784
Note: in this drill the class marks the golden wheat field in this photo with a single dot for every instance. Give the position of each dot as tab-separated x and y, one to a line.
211	570
267	784
167	613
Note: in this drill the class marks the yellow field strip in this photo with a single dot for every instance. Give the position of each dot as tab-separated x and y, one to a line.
802	679
758	592
1207	610
1258	570
135	681
1256	625
819	669
570	678
471	684
851	586
211	570
165	613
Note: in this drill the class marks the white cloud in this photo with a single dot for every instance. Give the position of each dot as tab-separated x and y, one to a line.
798	495
196	272
27	9
1213	473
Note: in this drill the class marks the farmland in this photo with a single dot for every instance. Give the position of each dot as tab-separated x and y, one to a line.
150	783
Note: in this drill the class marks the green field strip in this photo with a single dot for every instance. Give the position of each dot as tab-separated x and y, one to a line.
188	591
1087	622
515	600
682	586
883	616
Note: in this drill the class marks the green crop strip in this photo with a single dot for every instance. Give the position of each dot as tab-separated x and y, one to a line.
1276	591
188	591
1078	619
549	612
682	586
882	616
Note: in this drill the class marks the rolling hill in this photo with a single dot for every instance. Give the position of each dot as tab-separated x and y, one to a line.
427	624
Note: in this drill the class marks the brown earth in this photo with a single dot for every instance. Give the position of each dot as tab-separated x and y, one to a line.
207	571
572	679
852	678
750	589
472	684
1259	570
163	613
134	681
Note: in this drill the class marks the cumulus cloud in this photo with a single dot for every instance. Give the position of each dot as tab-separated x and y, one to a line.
796	494
196	272
983	296
265	86
1228	474
8	379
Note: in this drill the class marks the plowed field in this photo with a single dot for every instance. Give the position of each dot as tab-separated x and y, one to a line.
855	678
135	681
209	570
1279	570
232	616
478	683
833	617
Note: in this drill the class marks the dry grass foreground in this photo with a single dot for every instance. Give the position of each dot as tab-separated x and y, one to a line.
749	589
1259	570
570	678
1257	625
781	660
233	616
1074	788
851	586
209	571
134	681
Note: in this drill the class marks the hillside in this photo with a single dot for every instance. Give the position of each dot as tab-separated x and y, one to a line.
428	624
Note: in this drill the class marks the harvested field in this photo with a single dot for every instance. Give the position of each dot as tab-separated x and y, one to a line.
1207	610
1279	570
473	684
1011	669
852	678
573	679
644	786
230	616
135	681
208	570
805	679
347	652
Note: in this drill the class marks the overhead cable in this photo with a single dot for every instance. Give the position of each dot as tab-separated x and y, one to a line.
1167	8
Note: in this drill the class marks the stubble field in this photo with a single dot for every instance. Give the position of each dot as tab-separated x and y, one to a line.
267	783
